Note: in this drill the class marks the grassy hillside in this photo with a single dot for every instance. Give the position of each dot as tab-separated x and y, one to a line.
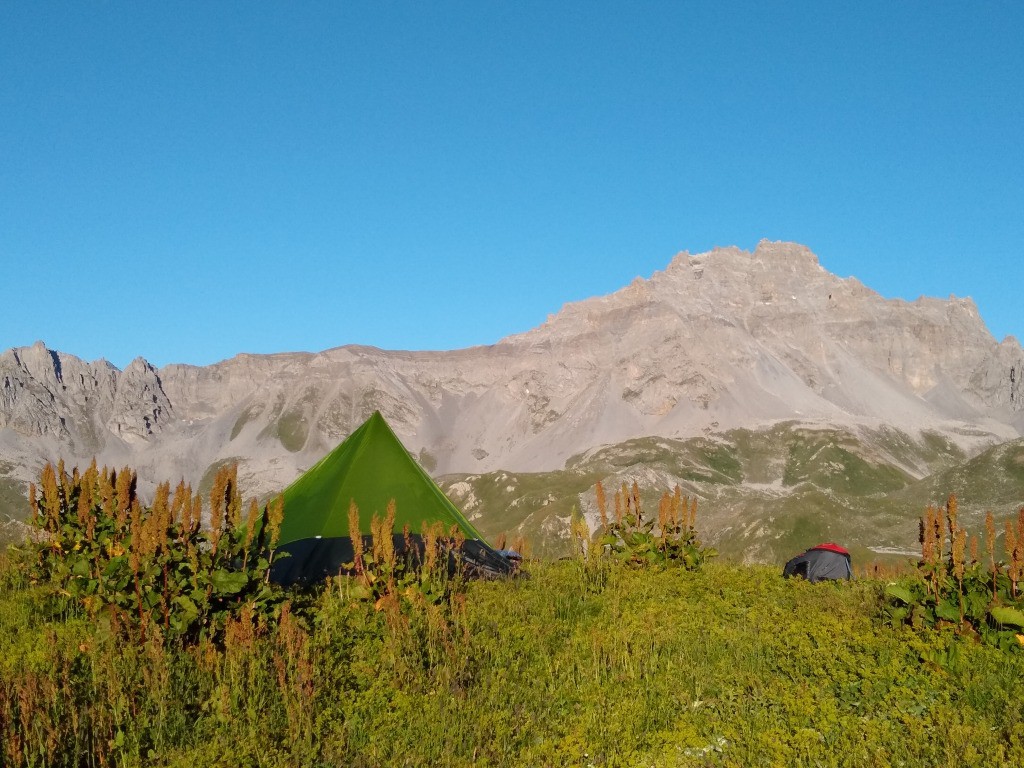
13	507
731	666
764	495
992	480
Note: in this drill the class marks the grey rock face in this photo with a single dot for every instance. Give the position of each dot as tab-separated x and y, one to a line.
717	340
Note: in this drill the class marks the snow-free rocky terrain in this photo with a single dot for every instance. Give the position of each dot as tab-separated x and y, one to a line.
793	402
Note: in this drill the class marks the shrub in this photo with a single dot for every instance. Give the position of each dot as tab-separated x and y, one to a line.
955	587
153	570
636	541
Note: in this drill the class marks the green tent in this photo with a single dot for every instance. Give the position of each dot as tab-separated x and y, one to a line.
371	467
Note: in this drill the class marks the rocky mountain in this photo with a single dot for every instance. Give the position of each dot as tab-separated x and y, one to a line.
717	342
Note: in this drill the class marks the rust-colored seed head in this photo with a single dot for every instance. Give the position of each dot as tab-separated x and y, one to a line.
218	500
162	505
1010	543
86	518
602	504
619	515
1017	556
431	534
355	534
33	503
177	504
197	513
51	498
990	538
940	533
375	537
275	516
186	513
93	471
126	482
928	535
64	484
521	546
958	546
137	536
233	500
636	503
664	512
250	522
111	509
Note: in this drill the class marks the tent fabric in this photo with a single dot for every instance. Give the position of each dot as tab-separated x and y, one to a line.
311	560
832	547
824	562
372	468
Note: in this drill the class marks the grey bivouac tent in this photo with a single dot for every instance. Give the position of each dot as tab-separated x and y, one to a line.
820	563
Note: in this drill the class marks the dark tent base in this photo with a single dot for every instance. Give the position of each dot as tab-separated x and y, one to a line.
308	561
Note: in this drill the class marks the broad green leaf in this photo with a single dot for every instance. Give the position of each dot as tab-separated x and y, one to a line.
360	592
189	609
228	582
1006	615
900	593
948	610
114	565
150	599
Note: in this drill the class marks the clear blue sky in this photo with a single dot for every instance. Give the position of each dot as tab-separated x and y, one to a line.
186	182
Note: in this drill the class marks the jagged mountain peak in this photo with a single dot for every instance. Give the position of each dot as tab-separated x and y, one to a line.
717	340
777	284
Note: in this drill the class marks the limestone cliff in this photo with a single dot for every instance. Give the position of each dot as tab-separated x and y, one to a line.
718	340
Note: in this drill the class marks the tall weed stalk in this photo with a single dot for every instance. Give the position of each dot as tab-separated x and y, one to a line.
956	586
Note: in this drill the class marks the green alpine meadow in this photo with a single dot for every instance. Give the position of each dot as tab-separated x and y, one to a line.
131	635
523	384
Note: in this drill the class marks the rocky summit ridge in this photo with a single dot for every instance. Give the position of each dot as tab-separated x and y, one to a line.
718	341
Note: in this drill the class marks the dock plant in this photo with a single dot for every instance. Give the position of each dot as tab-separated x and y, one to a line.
956	587
635	539
152	569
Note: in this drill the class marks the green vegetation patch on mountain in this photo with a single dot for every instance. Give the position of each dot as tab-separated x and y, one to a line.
991	481
13	507
929	453
248	415
831	460
535	506
292	428
750	526
698	459
206	482
764	494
